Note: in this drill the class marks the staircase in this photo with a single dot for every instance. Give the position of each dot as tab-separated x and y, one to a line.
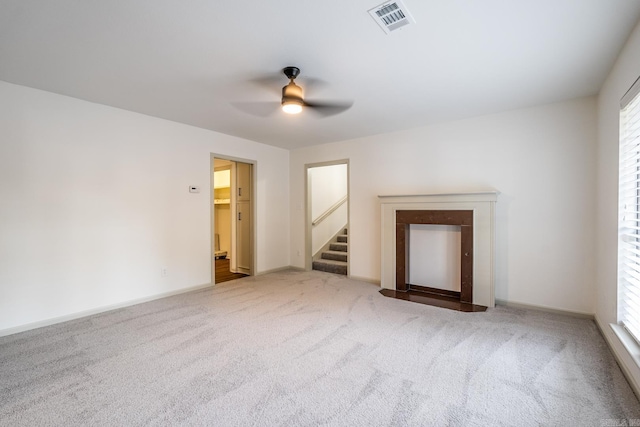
334	260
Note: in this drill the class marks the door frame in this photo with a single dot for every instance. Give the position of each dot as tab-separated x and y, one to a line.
308	255
254	174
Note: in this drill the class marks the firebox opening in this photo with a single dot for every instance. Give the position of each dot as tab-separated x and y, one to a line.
434	256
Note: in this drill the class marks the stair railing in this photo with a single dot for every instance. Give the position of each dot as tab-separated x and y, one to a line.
329	211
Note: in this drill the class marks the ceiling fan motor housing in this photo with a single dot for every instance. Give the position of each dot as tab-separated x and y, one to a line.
291	72
292	94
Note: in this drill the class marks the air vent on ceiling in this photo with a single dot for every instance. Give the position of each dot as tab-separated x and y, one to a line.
392	16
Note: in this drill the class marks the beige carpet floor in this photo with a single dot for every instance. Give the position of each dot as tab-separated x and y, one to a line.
307	349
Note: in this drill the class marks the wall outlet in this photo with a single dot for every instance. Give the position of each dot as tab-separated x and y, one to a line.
164	272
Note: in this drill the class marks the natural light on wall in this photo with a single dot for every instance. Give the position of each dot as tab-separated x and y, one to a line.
629	213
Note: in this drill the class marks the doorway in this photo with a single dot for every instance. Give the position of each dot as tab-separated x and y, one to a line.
327	217
232	218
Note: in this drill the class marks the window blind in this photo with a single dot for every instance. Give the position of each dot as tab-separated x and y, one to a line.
629	213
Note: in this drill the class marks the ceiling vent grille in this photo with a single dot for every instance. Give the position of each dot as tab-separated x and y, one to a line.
391	16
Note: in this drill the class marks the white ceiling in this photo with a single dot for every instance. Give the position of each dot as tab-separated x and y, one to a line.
197	61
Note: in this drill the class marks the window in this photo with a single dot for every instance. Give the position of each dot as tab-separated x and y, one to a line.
629	213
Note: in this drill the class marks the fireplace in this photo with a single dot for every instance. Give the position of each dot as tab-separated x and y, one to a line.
473	212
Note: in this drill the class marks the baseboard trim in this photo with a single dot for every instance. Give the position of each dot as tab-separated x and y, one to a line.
294	268
279	269
578	314
366	279
621	353
102	309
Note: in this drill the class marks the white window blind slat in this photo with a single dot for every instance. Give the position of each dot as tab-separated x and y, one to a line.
630	258
634	250
631	315
633	172
631	231
632	270
633	311
631	213
625	181
633	286
632	276
634	293
631	166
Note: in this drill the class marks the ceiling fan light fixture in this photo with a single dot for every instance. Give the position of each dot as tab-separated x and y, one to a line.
292	100
291	107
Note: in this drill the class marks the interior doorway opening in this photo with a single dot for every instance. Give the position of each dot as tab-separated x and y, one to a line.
232	219
327	217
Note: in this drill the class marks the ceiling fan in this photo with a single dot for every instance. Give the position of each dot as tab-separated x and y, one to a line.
293	101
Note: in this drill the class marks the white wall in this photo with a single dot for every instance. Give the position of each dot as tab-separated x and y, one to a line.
542	159
620	79
329	185
94	201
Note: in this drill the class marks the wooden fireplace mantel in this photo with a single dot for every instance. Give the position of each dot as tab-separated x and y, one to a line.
481	206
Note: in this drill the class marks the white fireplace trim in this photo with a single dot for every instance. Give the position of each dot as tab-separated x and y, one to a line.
483	206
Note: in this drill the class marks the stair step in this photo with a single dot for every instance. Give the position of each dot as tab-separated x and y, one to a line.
335	255
330	266
342	247
342	238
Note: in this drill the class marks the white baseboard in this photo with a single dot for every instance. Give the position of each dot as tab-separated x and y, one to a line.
102	309
572	313
294	268
279	269
366	279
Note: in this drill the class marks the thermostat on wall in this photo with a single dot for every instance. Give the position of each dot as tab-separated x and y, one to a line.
194	189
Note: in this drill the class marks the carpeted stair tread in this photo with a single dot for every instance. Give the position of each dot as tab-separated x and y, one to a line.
330	266
337	246
342	238
335	255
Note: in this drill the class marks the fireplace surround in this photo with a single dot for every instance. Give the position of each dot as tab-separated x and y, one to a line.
473	211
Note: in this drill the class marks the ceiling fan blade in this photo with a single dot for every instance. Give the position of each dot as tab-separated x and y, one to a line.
259	109
271	82
310	84
327	109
